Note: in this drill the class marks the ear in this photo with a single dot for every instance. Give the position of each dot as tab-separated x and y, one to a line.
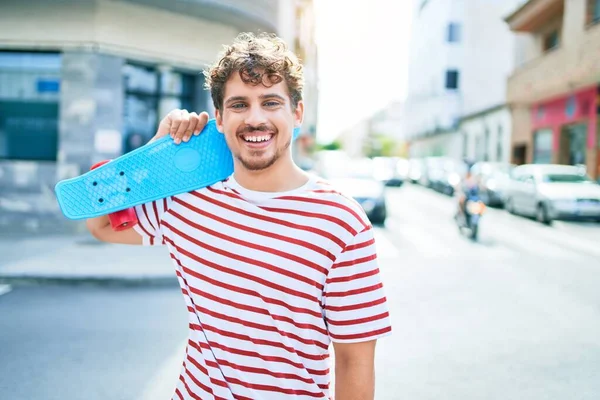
219	121
299	114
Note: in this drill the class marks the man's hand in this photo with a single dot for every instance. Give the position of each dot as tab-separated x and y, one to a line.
181	125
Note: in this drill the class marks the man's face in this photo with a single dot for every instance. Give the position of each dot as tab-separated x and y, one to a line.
257	121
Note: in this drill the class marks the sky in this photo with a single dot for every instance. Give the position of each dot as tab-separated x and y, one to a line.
363	50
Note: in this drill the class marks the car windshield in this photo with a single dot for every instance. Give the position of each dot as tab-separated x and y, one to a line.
566	178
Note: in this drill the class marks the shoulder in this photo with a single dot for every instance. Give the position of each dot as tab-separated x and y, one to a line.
336	200
215	190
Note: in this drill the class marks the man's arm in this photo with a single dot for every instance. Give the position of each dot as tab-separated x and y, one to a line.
100	228
354	370
181	125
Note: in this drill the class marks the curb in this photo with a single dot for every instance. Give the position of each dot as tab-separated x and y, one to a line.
108	281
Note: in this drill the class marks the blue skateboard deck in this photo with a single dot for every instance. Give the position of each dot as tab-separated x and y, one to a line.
157	170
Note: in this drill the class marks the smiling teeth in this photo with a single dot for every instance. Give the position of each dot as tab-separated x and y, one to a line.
257	138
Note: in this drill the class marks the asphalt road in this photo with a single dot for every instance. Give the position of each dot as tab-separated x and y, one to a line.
515	316
93	343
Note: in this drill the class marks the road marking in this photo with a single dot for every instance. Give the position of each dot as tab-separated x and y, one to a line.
163	383
5	289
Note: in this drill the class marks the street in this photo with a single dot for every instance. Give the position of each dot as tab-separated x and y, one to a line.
79	342
514	316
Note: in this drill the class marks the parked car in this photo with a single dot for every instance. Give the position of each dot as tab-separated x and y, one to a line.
389	170
432	171
493	178
553	192
331	163
354	177
415	169
369	193
445	173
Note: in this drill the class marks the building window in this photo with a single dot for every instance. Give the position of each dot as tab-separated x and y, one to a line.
552	40
452	79
593	11
29	101
453	33
150	93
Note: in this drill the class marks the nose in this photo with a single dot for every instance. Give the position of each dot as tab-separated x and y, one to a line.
255	116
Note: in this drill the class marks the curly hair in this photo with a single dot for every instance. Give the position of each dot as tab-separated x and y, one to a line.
263	59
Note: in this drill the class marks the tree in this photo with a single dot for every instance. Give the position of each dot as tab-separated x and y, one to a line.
335	145
378	145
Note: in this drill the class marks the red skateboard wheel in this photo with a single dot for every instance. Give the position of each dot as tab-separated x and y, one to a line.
120	220
123	220
99	164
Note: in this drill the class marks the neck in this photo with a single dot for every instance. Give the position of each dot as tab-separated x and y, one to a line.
282	176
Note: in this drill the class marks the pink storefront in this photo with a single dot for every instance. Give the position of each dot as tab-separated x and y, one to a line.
566	130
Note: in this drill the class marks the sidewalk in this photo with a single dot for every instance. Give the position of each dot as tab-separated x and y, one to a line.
82	259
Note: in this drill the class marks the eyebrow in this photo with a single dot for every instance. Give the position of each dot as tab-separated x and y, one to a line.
262	97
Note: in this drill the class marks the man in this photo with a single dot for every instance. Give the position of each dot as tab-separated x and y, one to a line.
468	186
273	263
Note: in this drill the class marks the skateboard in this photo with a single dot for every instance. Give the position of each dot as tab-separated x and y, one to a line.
154	171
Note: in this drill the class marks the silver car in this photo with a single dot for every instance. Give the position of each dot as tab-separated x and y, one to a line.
552	192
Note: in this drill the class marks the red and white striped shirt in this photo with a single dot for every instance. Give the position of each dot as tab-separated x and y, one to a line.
269	279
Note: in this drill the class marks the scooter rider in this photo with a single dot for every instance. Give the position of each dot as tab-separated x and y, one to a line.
469	186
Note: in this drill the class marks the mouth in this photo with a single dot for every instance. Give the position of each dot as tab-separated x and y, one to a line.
258	141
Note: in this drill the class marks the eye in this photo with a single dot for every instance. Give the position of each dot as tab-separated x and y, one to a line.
238	106
271	103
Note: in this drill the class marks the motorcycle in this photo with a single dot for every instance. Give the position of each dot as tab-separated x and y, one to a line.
469	219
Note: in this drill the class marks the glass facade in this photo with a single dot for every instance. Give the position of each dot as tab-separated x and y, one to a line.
150	93
29	105
575	137
542	146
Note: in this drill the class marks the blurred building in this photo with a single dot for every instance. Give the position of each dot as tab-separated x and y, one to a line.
87	80
390	121
555	90
387	122
353	139
461	55
433	103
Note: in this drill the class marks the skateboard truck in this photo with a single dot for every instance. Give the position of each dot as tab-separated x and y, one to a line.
120	220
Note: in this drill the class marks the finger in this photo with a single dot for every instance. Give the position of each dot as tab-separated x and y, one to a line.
174	119
191	127
202	121
185	121
164	127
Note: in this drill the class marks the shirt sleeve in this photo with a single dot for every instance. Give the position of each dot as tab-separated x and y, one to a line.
149	224
355	306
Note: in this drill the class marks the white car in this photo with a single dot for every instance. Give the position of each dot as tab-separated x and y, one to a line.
551	192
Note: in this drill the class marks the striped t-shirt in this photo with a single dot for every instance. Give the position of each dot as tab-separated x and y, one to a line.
269	280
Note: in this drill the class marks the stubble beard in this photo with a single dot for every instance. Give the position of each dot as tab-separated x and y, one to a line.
258	165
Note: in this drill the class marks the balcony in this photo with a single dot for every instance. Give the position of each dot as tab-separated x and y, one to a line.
555	73
246	15
534	14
